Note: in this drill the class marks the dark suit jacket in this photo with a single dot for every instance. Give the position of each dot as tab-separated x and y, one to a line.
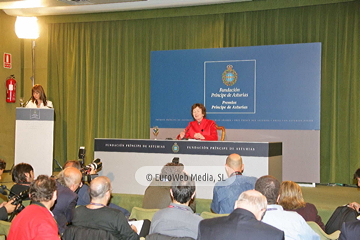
350	230
64	206
240	224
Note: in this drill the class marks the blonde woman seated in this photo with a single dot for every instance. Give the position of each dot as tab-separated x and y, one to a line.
291	199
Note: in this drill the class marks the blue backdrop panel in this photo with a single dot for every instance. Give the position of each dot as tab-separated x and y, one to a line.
261	87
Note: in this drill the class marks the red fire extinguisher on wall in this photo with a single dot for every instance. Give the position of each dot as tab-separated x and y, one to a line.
11	89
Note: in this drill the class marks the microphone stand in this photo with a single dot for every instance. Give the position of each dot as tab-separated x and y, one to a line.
27	102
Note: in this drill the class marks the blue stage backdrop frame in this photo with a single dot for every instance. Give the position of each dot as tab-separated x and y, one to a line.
259	87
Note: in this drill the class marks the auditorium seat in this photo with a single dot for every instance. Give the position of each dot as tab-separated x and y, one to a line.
76	232
4	227
322	234
139	213
206	215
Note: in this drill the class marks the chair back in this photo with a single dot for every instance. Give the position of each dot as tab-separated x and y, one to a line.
321	233
206	215
139	213
222	130
77	232
4	227
158	236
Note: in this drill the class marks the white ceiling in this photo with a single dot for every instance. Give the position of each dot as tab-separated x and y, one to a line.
63	7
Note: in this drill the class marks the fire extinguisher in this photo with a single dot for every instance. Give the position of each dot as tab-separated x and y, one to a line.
11	89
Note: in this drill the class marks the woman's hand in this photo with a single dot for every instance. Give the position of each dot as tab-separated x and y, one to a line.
182	134
199	136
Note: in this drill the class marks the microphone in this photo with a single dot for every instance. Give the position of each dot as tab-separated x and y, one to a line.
27	102
185	131
202	130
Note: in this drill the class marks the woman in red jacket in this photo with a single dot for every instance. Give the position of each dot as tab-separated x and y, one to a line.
201	128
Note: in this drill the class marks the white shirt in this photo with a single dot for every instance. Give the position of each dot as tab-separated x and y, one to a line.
32	104
293	224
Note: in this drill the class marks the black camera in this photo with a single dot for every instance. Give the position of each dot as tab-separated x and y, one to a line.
19	197
18	202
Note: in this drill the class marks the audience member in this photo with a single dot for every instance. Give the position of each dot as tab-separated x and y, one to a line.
356	205
22	175
226	192
291	199
36	221
178	219
97	215
294	226
243	223
67	183
83	190
157	194
2	167
350	230
5	207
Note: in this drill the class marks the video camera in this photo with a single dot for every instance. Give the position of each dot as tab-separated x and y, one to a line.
86	171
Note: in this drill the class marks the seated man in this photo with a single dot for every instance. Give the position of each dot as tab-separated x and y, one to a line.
22	175
67	183
157	194
290	222
5	207
97	215
178	220
226	192
36	221
83	190
243	223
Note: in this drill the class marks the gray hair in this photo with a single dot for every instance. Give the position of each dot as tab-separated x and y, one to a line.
67	177
252	198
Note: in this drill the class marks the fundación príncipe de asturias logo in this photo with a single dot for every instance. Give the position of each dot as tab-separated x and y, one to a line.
229	76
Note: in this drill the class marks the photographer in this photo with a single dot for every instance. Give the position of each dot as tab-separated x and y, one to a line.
83	190
36	220
5	207
67	182
22	174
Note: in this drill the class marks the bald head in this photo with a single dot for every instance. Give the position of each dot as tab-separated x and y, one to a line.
252	201
99	187
234	161
70	177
